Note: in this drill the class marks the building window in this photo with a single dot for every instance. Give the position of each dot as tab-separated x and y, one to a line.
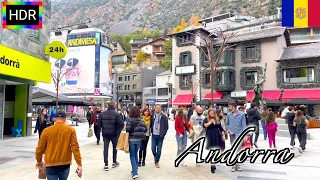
251	52
206	79
231	78
184	80
251	77
34	35
134	77
120	88
125	78
185	59
298	75
128	87
220	75
128	78
125	87
134	86
185	38
163	91
120	78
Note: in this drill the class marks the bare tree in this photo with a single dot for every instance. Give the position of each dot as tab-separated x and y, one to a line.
207	48
57	76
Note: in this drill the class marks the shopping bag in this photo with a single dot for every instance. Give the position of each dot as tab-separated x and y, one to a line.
42	173
126	143
90	133
121	141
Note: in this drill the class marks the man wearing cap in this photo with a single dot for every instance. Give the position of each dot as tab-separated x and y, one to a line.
58	142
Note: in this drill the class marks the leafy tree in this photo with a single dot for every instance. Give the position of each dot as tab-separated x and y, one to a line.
167	49
166	64
194	21
141	57
272	8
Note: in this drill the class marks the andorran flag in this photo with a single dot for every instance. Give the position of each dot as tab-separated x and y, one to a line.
301	13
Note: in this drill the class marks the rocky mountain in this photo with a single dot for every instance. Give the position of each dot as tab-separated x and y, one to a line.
126	16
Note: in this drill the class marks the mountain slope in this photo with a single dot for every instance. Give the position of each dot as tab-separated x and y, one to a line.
125	16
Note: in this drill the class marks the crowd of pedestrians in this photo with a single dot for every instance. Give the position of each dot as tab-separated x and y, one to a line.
190	123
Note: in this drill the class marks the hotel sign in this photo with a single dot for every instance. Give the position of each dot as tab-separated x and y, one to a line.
186	70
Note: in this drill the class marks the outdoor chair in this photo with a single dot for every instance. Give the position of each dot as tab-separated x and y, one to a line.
16	131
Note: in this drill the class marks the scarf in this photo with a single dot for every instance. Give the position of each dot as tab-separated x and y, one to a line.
146	120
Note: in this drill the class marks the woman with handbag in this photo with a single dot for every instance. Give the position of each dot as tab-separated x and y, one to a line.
182	127
137	129
215	134
43	121
146	117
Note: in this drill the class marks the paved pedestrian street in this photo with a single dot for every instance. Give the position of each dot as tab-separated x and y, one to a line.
18	162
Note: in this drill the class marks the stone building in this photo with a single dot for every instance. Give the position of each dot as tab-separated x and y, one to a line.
25	49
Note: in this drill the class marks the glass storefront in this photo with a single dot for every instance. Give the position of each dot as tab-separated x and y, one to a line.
2	88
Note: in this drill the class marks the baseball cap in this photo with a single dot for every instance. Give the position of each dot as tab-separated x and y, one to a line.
61	114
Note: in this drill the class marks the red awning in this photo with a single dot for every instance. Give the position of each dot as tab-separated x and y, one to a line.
216	96
183	99
272	95
311	94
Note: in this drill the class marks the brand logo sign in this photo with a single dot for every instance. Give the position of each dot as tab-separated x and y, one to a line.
17	64
96	91
82	42
16	15
301	13
162	100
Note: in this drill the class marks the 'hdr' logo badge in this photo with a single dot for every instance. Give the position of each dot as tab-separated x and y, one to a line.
301	13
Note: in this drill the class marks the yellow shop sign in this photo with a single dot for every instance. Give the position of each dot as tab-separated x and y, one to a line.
82	42
17	64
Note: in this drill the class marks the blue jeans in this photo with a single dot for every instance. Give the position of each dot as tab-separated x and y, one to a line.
133	149
182	142
156	146
263	124
58	172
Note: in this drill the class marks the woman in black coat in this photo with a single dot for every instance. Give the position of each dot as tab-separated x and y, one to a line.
43	121
215	135
137	131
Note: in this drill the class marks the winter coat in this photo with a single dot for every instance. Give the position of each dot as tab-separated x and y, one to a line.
111	123
272	128
136	128
253	117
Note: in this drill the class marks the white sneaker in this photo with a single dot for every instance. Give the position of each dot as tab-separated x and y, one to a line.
135	177
300	150
291	147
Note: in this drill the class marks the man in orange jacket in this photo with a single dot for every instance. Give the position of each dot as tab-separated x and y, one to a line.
58	142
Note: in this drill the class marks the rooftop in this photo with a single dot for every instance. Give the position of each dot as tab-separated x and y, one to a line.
76	31
191	28
301	52
261	34
165	73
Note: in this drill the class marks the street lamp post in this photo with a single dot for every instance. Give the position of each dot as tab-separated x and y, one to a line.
118	94
170	91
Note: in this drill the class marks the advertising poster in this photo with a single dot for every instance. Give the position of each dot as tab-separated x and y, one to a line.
105	71
79	67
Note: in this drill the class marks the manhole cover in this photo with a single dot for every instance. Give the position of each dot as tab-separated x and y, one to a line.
5	160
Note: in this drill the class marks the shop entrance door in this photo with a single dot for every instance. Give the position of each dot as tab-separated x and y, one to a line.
2	89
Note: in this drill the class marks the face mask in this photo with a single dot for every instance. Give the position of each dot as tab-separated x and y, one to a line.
44	113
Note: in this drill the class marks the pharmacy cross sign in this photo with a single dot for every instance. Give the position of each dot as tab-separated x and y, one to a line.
96	91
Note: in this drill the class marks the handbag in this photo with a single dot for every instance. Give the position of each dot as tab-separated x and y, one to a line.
90	133
42	173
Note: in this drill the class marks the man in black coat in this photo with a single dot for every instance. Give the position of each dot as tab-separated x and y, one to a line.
159	126
111	123
253	120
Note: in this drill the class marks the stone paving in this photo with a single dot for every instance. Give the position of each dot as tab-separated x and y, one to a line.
22	150
92	155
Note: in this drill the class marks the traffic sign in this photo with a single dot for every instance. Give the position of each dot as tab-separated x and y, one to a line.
56	49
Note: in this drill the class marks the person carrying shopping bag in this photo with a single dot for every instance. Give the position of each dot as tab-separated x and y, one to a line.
136	128
182	127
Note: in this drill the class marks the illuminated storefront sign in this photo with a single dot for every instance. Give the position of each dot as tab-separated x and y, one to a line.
82	42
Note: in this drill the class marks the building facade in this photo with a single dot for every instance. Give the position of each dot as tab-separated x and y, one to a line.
136	44
130	84
154	50
160	93
88	65
22	64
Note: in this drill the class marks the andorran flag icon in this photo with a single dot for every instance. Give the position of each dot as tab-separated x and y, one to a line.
301	13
